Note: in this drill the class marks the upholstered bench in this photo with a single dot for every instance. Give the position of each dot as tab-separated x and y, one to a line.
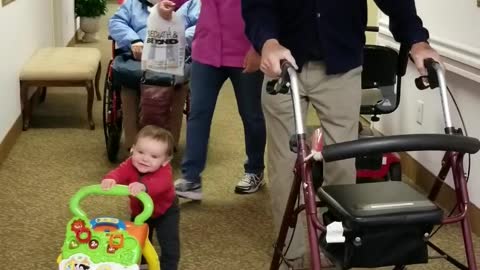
60	67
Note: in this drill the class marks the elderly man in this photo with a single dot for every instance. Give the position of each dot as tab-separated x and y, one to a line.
325	39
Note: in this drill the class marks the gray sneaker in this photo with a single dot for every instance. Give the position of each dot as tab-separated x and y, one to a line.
187	189
249	183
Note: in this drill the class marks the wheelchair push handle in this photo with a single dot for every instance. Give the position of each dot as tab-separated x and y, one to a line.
117	190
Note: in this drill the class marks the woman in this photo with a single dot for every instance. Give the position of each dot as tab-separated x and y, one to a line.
221	51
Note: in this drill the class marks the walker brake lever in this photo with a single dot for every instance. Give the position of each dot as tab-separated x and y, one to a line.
277	86
271	87
422	82
430	80
281	85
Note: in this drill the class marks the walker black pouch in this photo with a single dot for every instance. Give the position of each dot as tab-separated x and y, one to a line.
381	246
374	238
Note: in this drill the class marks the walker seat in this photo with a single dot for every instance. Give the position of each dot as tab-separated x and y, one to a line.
384	224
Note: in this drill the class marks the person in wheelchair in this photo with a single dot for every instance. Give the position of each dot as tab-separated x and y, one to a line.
326	48
128	27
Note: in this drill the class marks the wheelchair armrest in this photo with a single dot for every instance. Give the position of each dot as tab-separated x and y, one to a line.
401	143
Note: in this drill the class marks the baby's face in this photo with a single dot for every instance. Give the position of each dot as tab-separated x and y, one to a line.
149	155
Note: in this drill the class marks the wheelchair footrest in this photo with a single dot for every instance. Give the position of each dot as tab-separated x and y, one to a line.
385	223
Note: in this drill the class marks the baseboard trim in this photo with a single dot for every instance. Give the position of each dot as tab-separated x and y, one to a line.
73	40
9	141
424	180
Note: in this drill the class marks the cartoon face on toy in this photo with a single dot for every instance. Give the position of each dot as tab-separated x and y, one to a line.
75	264
81	267
78	225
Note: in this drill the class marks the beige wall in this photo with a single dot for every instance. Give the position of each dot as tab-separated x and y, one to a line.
64	21
33	24
28	25
456	36
372	20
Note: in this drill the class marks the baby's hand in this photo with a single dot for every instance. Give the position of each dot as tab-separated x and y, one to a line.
136	187
165	9
108	184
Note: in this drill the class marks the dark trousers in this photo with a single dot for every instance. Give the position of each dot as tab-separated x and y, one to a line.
166	228
206	82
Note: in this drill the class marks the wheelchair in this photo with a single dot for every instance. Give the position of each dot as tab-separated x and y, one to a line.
112	107
374	224
383	69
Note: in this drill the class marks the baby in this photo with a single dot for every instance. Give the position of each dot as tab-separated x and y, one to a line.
149	170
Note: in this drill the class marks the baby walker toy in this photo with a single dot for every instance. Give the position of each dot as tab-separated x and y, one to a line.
107	243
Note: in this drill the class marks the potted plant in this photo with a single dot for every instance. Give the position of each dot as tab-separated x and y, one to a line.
89	12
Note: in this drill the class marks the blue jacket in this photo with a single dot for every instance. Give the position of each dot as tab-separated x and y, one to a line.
328	30
129	24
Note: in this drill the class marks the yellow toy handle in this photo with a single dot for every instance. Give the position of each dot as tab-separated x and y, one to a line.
151	256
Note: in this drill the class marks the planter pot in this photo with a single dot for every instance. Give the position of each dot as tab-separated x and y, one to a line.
90	26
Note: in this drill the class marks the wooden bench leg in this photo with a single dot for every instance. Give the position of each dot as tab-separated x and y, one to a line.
26	106
43	94
97	81
90	93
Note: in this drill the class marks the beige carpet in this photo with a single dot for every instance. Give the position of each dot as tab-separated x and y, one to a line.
58	155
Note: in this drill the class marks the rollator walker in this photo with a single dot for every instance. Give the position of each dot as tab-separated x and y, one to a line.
379	223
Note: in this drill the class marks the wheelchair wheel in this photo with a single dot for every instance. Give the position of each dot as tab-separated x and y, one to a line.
112	117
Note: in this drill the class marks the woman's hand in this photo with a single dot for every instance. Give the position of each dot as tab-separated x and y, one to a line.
136	187
108	184
137	49
251	63
165	9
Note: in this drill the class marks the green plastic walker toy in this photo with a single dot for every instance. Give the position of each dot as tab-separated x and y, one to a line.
107	243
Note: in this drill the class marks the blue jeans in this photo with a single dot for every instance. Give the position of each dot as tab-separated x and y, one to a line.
206	82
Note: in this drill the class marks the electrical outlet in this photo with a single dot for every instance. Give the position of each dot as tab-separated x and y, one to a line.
420	112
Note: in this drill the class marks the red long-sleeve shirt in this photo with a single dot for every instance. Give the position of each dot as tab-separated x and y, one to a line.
159	186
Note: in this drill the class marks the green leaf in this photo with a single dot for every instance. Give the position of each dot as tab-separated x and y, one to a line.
90	8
